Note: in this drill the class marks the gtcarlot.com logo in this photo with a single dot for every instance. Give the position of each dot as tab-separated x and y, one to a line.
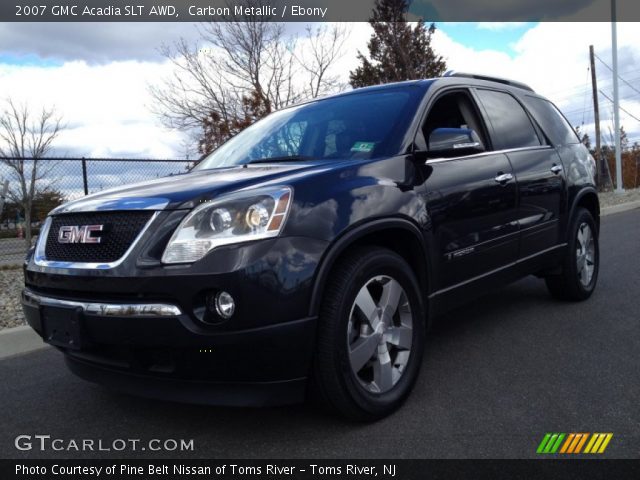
573	443
48	443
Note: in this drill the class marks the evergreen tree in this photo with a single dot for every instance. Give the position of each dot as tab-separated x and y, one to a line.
584	138
397	51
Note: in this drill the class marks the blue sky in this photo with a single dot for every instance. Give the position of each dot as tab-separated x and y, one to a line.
481	36
30	59
499	37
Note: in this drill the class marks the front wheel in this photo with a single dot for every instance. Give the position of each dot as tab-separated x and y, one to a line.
579	273
370	335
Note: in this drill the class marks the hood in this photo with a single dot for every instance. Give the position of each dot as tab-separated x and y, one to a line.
187	190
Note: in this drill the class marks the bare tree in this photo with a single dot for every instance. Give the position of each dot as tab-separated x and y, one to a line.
25	139
325	46
243	69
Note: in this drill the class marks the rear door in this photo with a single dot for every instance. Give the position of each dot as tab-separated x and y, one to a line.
537	167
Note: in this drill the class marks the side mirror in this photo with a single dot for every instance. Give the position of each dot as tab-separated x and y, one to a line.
451	142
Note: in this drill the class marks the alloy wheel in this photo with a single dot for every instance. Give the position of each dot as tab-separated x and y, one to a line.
380	334
585	254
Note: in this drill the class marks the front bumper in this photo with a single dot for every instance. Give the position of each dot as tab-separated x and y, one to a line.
140	326
153	350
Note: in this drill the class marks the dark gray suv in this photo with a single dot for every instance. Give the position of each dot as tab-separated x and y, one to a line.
311	252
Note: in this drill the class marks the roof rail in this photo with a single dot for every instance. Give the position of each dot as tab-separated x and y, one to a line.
512	83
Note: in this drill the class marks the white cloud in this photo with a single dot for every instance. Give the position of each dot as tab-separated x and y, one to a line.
93	42
498	26
107	105
553	59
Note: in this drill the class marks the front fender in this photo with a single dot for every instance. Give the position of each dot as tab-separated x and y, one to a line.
357	233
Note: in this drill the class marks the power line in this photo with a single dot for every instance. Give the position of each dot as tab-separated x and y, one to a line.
625	111
584	101
632	98
604	82
579	88
628	84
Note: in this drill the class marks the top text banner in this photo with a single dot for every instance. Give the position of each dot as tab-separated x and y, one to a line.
312	10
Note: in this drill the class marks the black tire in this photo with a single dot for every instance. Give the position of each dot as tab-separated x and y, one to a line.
340	388
568	284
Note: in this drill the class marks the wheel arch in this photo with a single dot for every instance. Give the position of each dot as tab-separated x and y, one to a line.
399	235
586	198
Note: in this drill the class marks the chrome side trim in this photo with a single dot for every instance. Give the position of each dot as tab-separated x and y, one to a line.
493	152
105	309
40	259
110	204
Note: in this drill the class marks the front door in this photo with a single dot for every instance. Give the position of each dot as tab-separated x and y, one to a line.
471	200
473	216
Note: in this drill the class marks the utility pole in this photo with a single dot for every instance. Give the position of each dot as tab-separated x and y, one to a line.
616	98
596	114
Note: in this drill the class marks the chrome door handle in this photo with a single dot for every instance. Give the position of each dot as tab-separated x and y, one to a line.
556	169
504	178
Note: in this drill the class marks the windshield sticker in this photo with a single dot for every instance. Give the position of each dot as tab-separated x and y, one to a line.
363	147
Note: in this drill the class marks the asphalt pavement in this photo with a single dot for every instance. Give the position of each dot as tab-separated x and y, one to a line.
497	375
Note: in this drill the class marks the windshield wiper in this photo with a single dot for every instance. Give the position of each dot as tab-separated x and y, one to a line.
290	158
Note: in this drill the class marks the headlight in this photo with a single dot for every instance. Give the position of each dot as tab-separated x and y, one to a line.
235	218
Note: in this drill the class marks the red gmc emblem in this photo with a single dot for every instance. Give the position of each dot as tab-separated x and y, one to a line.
79	234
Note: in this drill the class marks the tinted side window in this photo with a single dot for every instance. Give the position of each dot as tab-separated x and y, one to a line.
551	120
511	124
453	109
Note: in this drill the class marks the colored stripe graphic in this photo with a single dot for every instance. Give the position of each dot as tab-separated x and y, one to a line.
577	438
598	443
543	443
550	443
556	445
604	445
552	440
581	442
574	443
567	443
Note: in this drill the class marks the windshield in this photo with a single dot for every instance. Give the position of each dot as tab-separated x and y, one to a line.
361	125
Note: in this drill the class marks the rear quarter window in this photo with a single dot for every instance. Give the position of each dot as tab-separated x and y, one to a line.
512	127
553	123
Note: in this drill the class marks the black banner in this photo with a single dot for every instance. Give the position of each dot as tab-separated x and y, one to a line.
319	469
310	10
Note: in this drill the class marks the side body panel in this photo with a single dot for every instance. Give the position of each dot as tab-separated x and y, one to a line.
472	217
542	198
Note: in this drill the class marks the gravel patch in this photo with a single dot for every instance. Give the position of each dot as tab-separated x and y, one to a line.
608	199
11	283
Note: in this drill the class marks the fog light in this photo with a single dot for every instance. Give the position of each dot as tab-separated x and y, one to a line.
225	306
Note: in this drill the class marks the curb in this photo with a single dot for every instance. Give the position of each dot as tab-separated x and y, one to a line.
623	207
19	340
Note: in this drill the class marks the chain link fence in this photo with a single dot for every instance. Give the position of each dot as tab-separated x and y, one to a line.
48	182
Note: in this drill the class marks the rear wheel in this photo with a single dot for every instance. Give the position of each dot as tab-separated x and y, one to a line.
370	335
579	273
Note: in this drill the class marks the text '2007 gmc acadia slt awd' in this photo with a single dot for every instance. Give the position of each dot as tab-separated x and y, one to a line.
314	248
